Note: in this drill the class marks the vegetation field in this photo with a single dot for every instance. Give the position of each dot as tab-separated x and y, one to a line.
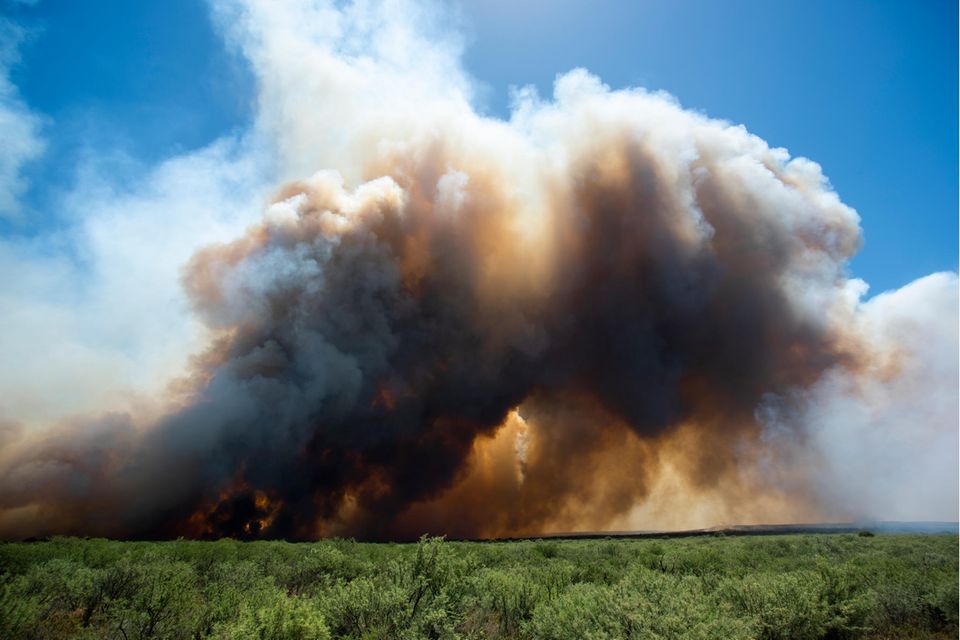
792	587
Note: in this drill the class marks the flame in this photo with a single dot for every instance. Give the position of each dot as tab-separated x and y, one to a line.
384	398
227	513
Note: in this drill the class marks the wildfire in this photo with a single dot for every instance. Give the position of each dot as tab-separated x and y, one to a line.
238	511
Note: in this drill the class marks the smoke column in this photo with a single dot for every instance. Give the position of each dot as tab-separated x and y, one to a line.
607	312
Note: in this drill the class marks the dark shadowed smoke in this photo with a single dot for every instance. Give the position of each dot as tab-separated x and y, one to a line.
367	339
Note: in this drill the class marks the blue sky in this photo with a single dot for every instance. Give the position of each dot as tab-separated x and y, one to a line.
867	89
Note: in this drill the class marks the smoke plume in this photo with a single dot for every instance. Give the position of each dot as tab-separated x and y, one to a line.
605	312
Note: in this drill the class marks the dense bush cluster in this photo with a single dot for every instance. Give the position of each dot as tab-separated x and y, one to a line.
792	587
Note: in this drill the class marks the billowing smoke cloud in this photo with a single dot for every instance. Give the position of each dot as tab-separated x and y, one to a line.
885	436
606	312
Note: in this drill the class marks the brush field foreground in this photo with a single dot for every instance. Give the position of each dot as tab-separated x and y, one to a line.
792	587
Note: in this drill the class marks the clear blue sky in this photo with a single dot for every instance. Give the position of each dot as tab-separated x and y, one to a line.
867	89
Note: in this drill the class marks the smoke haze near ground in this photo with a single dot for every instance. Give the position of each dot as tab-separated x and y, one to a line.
605	313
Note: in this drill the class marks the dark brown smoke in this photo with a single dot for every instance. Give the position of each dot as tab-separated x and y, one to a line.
458	348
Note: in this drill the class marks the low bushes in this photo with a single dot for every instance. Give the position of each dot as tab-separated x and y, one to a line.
798	587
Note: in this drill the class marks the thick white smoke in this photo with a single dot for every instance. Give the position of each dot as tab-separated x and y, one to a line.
95	316
882	443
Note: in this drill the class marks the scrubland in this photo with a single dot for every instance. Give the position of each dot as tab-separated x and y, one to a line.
767	587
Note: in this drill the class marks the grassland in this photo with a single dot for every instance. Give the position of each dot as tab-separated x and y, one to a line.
793	586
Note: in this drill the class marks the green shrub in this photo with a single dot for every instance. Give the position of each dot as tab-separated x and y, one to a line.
363	609
20	611
162	604
508	598
320	566
645	605
782	606
276	617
